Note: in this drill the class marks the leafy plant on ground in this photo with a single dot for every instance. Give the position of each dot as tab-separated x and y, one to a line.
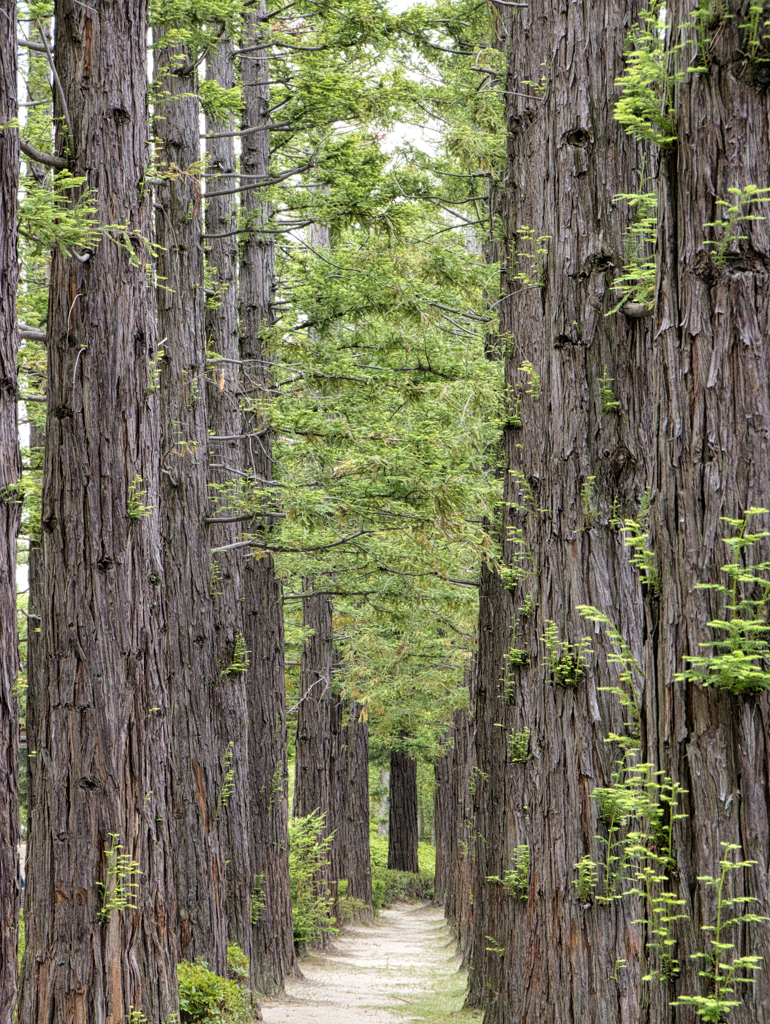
205	998
311	900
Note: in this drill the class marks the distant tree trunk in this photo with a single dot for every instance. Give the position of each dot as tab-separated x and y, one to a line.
383	810
99	704
313	789
575	466
199	766
226	458
711	460
458	905
358	864
311	786
338	785
10	471
273	956
442	822
349	798
402	834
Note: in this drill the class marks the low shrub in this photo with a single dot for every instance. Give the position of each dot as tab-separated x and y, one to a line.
311	905
389	887
237	964
205	998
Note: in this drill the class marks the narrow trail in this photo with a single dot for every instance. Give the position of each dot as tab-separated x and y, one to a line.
401	968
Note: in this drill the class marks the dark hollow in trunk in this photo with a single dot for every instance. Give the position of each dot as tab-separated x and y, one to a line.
402	835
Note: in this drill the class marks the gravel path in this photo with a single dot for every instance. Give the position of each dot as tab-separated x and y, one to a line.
371	972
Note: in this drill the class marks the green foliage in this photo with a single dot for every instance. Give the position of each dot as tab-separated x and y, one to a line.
519	746
635	538
136	506
257	897
311	902
723	968
567	661
637	282
205	998
609	402
49	216
241	658
738	662
585	883
646	106
120	890
227	779
727	229
515	880
587	495
237	964
753	28
531	258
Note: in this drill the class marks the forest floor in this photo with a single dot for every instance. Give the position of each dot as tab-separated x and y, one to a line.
401	968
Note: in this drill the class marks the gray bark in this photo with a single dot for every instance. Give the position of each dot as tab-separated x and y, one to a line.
273	956
98	722
10	471
226	457
192	672
711	460
571	464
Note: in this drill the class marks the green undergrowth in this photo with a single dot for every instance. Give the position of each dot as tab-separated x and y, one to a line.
205	998
389	887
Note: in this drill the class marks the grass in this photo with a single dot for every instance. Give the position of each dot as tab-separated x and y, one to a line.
442	990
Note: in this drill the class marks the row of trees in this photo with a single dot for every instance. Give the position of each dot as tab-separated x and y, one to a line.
604	854
258	411
471	440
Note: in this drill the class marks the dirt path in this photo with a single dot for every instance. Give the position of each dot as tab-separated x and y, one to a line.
401	968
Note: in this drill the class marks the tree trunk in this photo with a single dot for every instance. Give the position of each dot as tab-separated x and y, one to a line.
10	471
383	821
226	459
358	864
313	744
402	833
313	787
338	787
712	366
541	952
273	956
199	766
100	705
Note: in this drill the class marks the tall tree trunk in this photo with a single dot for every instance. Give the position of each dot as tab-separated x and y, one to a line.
311	787
273	956
575	467
226	458
402	833
712	366
10	470
338	786
314	789
100	704
355	822
199	766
